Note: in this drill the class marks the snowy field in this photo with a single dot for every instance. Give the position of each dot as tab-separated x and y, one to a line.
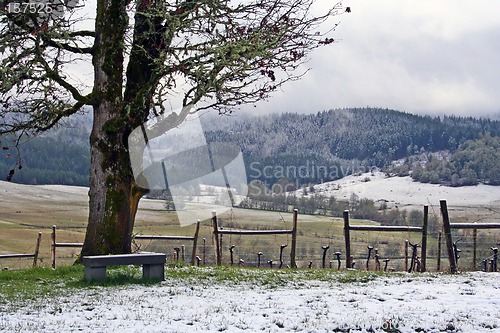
468	302
403	191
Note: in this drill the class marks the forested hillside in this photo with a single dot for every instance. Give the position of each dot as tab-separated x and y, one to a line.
474	161
332	144
287	149
60	156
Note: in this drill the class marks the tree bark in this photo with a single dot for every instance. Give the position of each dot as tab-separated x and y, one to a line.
111	217
113	195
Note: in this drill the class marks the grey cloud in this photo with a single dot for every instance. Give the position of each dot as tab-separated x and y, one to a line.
418	56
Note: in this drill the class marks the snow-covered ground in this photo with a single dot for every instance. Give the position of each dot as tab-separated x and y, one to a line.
13	193
468	302
403	191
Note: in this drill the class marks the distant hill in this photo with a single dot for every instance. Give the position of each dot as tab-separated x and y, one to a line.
288	149
332	144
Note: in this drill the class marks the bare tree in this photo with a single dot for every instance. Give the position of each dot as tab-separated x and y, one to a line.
144	54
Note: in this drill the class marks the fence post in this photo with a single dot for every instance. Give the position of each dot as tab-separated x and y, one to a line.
293	262
474	248
447	236
37	249
440	240
204	257
337	254
282	247
347	240
221	237
424	239
323	259
195	243
176	252
406	254
216	238
53	246
231	250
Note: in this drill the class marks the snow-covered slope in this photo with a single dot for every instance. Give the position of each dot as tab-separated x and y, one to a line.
403	191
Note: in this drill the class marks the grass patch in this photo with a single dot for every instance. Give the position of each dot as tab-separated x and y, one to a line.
269	278
36	283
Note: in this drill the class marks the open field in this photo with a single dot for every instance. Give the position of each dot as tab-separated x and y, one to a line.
26	210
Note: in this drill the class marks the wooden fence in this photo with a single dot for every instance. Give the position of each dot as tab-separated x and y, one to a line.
194	239
218	231
447	226
55	245
422	229
26	255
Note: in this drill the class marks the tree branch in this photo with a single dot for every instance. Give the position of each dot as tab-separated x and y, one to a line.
57	78
67	47
36	123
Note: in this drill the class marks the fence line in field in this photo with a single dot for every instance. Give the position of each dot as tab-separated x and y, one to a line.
423	230
218	231
26	255
453	251
305	255
194	239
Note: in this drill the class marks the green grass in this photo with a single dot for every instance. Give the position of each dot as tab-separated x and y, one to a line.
265	277
37	283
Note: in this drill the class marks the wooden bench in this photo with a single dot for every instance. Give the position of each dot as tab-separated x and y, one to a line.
153	265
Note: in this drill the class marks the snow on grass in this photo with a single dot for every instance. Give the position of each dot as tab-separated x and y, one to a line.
403	191
468	302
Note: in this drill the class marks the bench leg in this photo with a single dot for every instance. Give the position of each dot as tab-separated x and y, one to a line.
94	273
156	272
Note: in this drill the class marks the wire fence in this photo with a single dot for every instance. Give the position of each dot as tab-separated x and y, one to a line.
315	248
476	248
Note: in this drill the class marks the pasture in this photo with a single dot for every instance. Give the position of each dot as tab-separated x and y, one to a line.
26	210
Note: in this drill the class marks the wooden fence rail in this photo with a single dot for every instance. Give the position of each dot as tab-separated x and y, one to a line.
475	225
55	245
26	255
422	229
194	239
447	226
218	231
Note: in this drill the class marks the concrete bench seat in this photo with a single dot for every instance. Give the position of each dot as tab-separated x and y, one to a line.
153	265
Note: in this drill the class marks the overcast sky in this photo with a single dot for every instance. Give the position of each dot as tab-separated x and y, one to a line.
420	56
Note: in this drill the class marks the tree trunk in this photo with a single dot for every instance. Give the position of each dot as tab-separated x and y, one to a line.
110	223
113	195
